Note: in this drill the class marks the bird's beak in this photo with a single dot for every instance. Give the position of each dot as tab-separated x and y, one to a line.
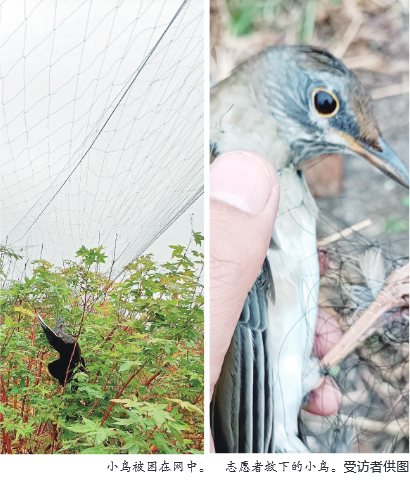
381	156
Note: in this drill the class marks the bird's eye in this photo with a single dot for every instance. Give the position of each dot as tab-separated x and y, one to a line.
326	103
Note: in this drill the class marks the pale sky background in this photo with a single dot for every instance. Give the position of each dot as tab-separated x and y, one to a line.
63	69
179	231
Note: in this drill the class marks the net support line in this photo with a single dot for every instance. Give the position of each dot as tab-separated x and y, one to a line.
108	119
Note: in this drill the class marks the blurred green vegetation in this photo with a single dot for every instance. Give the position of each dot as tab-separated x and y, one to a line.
246	14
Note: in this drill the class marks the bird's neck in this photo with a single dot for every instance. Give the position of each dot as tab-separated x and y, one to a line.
240	120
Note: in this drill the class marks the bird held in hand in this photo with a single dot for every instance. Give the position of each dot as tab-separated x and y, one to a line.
290	104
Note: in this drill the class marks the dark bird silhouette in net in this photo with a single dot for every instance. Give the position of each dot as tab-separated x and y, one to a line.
66	346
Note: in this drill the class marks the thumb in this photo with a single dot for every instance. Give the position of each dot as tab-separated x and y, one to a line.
244	192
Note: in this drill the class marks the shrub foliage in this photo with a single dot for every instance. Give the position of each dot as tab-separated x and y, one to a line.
142	340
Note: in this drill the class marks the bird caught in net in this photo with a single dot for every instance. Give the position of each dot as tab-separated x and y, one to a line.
63	369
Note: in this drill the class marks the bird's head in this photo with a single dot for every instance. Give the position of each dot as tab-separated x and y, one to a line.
323	108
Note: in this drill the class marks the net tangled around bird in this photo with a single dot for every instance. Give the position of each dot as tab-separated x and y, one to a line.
362	280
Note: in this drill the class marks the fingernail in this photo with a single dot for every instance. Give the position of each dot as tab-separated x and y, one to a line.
241	179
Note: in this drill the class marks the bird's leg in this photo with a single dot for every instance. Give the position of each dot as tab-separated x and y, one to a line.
394	293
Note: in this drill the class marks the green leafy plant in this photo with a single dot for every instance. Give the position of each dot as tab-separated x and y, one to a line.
142	340
242	17
307	22
393	224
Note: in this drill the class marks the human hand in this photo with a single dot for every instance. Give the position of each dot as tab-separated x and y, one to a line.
244	190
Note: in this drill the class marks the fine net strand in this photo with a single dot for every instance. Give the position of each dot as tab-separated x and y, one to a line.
102	125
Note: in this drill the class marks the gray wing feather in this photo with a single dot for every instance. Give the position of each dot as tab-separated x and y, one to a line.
59	324
57	339
242	407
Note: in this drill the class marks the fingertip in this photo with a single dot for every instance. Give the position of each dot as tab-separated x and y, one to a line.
245	180
327	333
326	399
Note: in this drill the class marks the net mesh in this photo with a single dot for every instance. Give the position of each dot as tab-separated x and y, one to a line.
373	377
102	125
